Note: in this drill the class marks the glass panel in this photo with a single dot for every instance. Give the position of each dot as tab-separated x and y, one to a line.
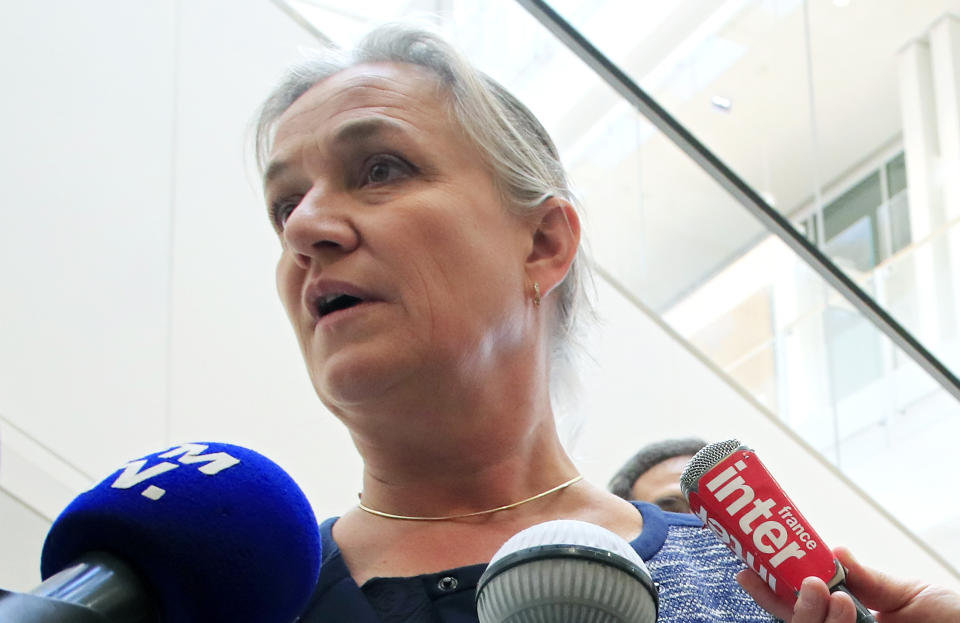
785	93
658	223
854	248
863	199
899	222
896	175
853	350
920	289
742	329
734	73
757	373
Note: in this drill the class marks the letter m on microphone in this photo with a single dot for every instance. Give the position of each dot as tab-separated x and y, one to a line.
136	472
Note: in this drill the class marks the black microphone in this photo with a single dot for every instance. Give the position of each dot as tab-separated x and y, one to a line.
738	499
206	532
566	571
97	589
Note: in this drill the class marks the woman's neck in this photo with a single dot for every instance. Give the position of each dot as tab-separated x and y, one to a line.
461	442
438	473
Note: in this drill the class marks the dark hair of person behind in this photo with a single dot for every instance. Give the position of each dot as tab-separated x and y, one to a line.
647	457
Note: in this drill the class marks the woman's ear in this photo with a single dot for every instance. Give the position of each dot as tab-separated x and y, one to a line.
556	239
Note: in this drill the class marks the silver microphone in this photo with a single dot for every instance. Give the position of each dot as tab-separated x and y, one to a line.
566	571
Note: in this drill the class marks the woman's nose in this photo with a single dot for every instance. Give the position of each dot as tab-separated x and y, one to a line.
316	231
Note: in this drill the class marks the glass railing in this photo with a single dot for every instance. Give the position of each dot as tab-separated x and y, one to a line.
673	234
920	286
809	357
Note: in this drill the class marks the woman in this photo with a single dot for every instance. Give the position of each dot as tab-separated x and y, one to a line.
430	269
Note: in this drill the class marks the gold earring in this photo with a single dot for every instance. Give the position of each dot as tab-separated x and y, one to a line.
536	294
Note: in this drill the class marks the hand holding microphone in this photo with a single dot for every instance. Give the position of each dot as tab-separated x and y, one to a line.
736	497
897	601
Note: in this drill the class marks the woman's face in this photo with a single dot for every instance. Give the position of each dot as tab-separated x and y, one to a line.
400	265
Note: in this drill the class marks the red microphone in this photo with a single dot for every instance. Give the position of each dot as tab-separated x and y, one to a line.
738	499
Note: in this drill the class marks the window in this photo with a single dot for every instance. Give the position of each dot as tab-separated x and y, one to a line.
868	222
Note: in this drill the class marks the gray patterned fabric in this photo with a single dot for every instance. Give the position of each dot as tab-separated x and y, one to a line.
696	577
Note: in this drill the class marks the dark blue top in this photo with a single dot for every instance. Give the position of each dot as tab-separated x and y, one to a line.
694	570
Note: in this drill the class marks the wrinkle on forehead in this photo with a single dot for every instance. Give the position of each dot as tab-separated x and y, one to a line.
400	94
399	91
378	87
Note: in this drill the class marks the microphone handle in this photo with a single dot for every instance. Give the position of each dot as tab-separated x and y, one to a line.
25	608
101	585
863	613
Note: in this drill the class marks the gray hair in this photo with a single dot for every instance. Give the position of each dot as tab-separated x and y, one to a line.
522	156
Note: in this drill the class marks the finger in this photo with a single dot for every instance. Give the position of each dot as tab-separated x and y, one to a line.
813	602
841	609
765	598
876	590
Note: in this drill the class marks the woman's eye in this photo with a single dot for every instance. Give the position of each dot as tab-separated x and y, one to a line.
385	169
281	211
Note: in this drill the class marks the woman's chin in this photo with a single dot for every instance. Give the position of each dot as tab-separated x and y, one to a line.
354	385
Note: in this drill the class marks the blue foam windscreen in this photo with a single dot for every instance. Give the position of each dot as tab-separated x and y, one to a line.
216	531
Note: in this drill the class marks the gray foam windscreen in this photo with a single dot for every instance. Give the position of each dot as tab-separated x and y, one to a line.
567	571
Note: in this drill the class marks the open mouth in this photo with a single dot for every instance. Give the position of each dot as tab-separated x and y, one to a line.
335	302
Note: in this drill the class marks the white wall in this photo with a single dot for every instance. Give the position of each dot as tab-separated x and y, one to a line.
87	121
25	529
138	309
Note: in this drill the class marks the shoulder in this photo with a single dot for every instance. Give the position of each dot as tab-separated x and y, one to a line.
657	527
695	572
332	567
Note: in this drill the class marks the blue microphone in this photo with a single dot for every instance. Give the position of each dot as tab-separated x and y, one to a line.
207	532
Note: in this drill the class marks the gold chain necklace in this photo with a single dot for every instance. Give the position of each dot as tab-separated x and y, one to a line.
476	513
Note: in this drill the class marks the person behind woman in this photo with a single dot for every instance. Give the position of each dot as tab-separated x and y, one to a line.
653	474
431	269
